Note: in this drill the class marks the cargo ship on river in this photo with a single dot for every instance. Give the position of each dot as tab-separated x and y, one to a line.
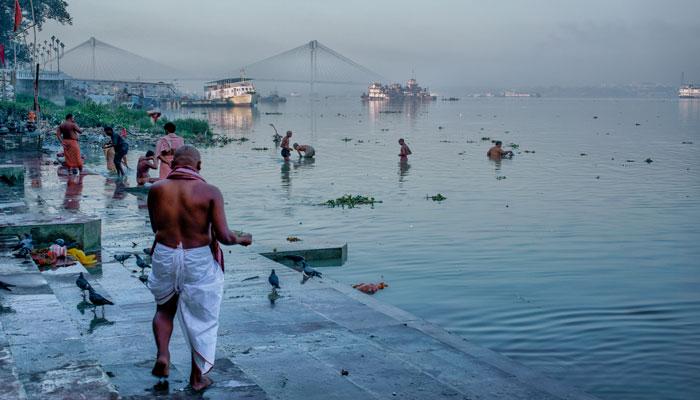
396	92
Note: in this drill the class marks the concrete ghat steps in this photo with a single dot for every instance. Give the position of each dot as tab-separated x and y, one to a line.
43	354
295	349
122	340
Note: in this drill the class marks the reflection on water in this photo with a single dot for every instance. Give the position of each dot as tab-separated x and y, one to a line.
689	109
222	119
84	305
97	322
304	163
74	192
404	166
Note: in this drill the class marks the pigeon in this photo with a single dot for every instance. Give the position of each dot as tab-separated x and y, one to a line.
310	272
142	264
147	251
82	283
274	280
97	300
6	286
122	257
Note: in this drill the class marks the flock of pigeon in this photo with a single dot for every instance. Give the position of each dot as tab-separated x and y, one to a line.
95	298
307	273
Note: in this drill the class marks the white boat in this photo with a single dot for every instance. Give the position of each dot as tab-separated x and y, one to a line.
689	92
233	91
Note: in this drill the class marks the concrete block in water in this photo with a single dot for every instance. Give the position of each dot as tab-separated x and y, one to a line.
318	252
83	229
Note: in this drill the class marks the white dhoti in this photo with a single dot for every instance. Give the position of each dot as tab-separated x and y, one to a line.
197	278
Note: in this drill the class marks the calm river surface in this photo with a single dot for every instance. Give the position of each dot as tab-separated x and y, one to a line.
582	261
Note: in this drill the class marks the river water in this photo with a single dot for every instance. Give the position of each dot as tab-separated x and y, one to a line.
577	258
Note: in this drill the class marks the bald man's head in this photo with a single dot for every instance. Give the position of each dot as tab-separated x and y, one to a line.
187	156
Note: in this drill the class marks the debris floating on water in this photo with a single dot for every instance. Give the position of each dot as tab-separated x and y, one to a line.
370	288
437	197
350	201
293	239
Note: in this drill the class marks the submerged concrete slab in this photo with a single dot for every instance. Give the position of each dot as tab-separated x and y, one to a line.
84	229
319	253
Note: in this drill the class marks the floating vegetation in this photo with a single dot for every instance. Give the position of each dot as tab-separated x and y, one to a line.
470	141
384	129
686	142
350	201
273	113
260	148
390	112
498	178
360	141
445	141
583	154
485	138
630	160
346	139
293	239
437	197
648	161
529	151
239	140
514	145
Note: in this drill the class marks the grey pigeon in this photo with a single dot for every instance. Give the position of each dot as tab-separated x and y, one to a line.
142	264
82	283
147	251
274	280
6	286
310	272
97	300
122	257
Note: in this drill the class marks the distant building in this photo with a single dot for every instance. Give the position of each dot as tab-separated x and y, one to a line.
127	93
52	85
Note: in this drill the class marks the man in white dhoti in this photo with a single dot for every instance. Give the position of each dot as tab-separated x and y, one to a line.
188	219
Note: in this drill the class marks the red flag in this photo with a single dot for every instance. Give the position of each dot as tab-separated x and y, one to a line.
18	16
2	55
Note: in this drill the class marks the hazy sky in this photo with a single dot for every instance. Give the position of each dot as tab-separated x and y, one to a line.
446	42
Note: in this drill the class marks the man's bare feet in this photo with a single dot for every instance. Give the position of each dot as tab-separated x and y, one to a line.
162	368
202	384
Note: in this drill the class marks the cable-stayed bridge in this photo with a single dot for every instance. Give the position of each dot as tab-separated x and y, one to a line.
310	63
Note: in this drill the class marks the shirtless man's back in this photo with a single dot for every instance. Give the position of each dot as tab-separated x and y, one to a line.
184	211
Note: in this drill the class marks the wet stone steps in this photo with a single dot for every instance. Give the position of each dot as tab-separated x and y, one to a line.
48	356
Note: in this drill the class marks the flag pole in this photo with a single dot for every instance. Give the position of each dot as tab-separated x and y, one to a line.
36	80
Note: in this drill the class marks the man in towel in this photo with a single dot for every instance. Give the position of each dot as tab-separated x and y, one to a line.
188	219
166	147
68	133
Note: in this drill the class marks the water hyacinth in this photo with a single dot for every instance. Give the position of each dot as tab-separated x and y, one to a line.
350	201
